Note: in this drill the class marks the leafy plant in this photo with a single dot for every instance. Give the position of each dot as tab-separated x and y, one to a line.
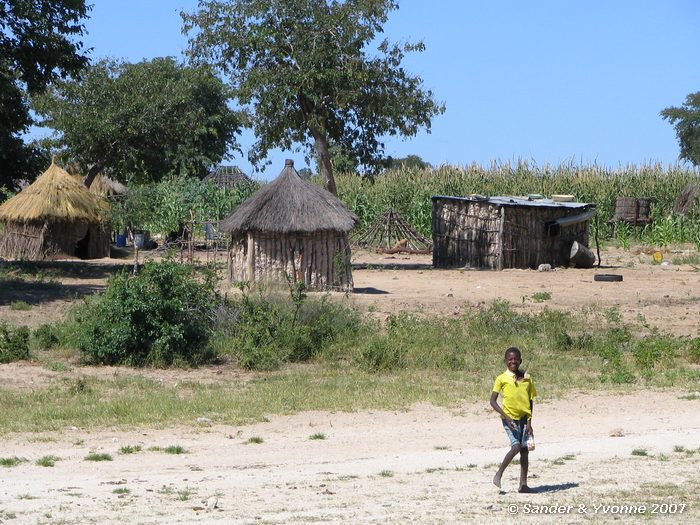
694	350
11	461
382	354
47	461
14	343
95	456
174	449
539	297
20	306
267	330
46	336
128	449
160	317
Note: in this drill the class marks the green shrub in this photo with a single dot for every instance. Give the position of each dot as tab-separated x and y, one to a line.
160	317
46	336
20	306
266	330
694	350
14	343
380	354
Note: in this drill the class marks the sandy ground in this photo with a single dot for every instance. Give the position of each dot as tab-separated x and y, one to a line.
425	465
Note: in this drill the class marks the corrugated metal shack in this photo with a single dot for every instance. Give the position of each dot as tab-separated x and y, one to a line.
506	232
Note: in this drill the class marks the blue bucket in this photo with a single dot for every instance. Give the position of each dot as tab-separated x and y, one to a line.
121	241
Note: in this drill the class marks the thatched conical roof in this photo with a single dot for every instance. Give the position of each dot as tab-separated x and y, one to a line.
290	204
54	195
103	185
228	177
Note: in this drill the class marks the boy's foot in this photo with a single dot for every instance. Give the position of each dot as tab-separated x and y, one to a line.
525	490
497	481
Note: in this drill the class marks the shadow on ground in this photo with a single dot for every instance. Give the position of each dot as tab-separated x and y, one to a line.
553	488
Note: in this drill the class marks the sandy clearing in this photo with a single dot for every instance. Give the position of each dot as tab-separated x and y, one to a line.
424	465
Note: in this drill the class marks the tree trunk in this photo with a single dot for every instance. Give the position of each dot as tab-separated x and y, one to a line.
92	173
324	160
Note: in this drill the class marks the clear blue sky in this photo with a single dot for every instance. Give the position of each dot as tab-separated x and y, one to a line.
549	81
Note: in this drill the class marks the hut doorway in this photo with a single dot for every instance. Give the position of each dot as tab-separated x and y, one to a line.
82	247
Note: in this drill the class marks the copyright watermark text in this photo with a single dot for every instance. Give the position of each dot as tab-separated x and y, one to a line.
610	509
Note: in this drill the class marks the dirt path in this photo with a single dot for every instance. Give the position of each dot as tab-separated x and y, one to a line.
425	465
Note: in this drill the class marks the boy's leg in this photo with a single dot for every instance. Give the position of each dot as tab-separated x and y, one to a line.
524	460
506	461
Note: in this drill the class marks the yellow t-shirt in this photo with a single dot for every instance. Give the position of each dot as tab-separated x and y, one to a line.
516	396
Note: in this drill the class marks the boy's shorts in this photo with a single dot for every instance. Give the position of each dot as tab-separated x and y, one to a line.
519	435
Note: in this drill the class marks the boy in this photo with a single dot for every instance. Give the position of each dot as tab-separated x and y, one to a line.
518	391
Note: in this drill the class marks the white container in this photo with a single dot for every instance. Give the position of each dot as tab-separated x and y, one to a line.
531	443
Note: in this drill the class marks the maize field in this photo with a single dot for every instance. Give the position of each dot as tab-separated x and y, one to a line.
409	192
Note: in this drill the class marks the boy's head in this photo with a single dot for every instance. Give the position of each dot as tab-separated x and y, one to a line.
513	359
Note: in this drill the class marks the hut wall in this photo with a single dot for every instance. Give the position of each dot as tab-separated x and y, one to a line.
527	242
98	242
321	259
35	241
22	241
482	234
465	233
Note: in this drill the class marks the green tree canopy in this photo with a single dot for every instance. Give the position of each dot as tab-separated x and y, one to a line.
686	120
411	161
143	121
36	48
314	73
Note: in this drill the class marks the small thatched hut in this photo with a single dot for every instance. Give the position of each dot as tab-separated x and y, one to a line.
506	232
55	215
107	188
229	177
291	227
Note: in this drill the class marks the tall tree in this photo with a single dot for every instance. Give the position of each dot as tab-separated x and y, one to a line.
313	73
37	47
141	121
686	120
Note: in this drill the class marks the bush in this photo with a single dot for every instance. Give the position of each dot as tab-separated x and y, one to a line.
160	317
46	336
380	354
694	350
14	343
653	350
266	331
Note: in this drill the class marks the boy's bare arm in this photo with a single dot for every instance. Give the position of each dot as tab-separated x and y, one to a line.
497	408
528	426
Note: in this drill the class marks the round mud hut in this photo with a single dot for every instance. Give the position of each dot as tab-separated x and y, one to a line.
54	216
291	228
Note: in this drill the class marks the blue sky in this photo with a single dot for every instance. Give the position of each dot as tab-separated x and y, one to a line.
549	81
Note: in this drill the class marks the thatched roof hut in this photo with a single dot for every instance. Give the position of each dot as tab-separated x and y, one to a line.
55	215
228	177
108	188
291	227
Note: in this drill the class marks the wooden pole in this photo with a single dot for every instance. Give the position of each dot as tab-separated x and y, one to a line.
250	273
501	228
